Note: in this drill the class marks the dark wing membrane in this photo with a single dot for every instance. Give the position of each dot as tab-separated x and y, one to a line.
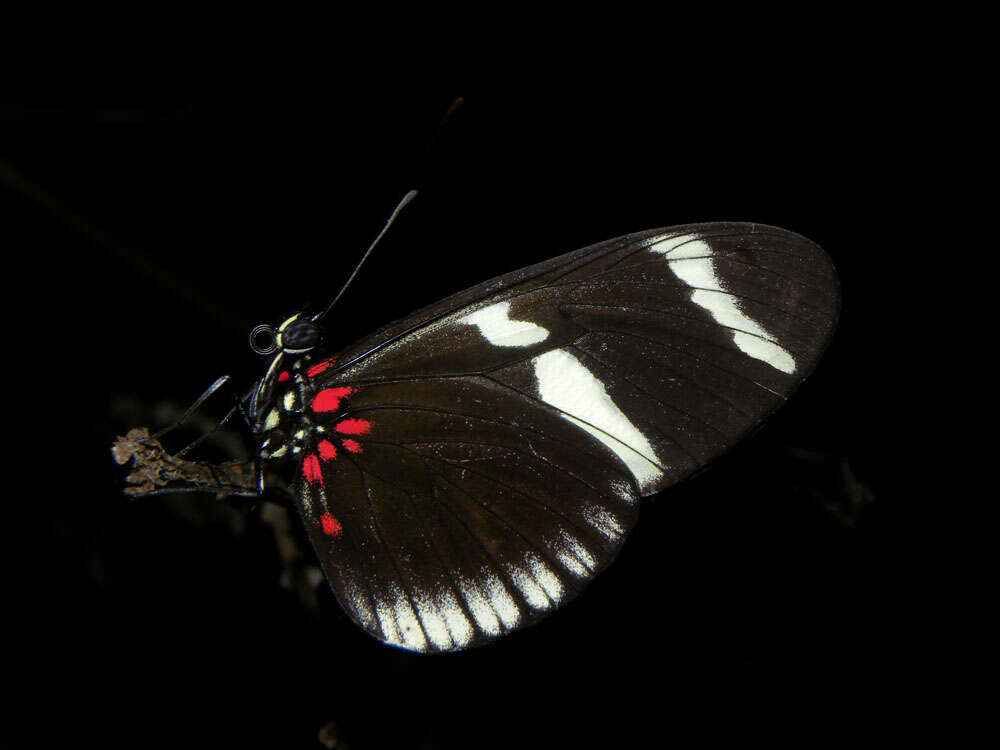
457	512
513	425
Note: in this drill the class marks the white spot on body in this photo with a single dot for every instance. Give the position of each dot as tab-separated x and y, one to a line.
289	401
500	330
280	452
690	258
623	491
271	421
563	382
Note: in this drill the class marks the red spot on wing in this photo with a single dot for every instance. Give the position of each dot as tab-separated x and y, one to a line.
283	376
319	367
354	426
327	450
329	398
352	445
311	470
331	526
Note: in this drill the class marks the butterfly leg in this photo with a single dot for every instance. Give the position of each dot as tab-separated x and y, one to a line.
194	407
236	407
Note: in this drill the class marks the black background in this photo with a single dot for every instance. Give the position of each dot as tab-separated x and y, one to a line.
166	183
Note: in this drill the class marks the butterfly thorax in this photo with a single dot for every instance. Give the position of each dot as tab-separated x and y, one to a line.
306	418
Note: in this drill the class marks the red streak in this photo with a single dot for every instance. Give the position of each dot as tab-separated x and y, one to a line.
283	376
310	469
331	526
352	445
327	450
329	399
354	426
319	367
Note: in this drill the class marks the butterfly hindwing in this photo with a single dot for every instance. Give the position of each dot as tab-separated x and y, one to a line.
456	514
486	453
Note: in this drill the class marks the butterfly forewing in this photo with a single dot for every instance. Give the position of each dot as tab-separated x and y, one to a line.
486	454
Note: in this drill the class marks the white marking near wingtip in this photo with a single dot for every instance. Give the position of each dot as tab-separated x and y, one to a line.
690	258
566	384
272	420
497	327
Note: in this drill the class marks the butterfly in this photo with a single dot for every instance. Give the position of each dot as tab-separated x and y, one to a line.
466	470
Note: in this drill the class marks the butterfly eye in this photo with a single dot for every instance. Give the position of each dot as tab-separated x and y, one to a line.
263	339
300	336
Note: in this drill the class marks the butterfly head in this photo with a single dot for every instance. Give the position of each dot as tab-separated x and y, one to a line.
297	335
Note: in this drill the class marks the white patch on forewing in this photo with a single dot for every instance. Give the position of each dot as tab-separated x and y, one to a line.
690	258
500	330
623	491
566	384
289	400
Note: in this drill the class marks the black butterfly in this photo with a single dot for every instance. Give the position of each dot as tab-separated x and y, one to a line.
466	470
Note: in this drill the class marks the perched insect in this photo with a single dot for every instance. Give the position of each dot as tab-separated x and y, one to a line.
466	470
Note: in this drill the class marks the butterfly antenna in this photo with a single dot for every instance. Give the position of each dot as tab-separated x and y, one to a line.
431	149
191	409
402	204
428	153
